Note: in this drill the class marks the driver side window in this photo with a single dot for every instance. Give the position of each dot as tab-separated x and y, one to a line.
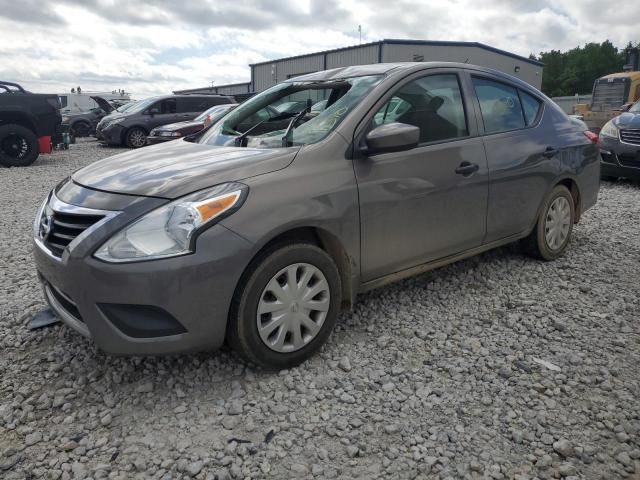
433	104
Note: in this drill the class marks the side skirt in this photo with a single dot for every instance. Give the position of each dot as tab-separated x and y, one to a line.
426	267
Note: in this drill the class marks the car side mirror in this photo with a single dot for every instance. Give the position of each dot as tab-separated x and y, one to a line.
391	137
153	111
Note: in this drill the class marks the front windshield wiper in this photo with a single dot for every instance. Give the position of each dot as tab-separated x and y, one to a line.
287	133
239	141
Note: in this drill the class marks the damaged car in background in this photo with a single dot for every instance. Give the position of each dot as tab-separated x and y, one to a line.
83	124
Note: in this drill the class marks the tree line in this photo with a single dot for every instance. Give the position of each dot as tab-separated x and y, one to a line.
574	71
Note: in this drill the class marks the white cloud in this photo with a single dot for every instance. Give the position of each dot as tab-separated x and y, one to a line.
154	47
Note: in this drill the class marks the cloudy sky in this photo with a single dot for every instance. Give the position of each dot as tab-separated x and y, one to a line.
150	47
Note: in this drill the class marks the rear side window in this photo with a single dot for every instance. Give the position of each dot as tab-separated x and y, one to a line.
531	106
63	101
193	104
500	106
433	104
213	101
165	106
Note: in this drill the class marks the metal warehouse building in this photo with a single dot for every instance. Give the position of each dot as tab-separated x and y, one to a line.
267	74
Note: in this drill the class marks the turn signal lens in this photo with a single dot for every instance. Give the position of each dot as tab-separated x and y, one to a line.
169	231
209	209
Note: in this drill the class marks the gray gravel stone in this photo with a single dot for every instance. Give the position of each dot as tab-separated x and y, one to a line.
432	377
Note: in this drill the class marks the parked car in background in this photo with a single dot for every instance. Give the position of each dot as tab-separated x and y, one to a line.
75	103
172	131
620	145
260	229
83	124
132	126
24	118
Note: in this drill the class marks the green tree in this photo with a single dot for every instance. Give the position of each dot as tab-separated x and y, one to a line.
574	71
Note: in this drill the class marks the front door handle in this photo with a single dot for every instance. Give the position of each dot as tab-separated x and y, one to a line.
550	152
466	169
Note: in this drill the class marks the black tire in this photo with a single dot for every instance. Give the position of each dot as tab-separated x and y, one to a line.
536	243
136	137
81	129
242	330
18	146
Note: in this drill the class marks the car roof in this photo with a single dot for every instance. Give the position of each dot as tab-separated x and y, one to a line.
387	68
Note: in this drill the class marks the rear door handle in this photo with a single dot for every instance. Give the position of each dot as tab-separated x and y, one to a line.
550	152
466	168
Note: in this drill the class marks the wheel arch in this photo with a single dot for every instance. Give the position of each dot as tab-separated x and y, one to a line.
18	119
126	130
574	189
325	240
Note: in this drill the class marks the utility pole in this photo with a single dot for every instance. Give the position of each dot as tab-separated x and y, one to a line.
360	32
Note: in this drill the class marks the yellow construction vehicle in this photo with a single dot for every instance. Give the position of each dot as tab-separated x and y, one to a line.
613	94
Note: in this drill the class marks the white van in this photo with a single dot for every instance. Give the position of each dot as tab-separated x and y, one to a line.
82	102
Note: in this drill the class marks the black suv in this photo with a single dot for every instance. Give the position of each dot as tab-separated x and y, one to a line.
24	117
131	127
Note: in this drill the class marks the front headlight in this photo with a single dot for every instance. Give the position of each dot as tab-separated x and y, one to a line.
609	130
37	222
170	230
65	119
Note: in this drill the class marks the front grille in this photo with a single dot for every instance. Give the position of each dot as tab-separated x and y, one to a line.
629	160
65	302
608	158
630	135
63	228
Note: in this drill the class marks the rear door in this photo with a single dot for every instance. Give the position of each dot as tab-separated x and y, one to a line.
419	205
515	141
190	107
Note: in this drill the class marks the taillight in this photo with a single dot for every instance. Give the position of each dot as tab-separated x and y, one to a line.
593	137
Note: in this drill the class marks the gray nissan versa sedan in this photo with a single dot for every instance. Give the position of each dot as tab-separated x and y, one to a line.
259	230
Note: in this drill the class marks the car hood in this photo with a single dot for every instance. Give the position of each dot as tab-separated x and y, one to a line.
177	168
627	120
114	116
103	104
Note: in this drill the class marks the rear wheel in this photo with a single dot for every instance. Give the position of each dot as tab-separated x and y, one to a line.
285	307
18	146
136	137
550	237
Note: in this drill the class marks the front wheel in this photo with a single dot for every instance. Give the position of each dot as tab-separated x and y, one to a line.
550	237
285	307
136	137
81	129
18	146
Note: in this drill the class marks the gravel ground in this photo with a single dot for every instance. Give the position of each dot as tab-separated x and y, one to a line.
440	376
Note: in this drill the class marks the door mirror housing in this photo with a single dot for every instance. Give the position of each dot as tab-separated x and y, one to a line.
391	137
153	111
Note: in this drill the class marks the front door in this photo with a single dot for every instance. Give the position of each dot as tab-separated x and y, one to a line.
430	202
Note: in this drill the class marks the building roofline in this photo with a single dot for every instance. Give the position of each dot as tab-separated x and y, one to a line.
212	88
395	41
446	43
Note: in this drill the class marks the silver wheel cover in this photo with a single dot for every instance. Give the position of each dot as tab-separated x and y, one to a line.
293	307
557	223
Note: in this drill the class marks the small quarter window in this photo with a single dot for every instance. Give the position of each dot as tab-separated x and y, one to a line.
500	106
531	106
